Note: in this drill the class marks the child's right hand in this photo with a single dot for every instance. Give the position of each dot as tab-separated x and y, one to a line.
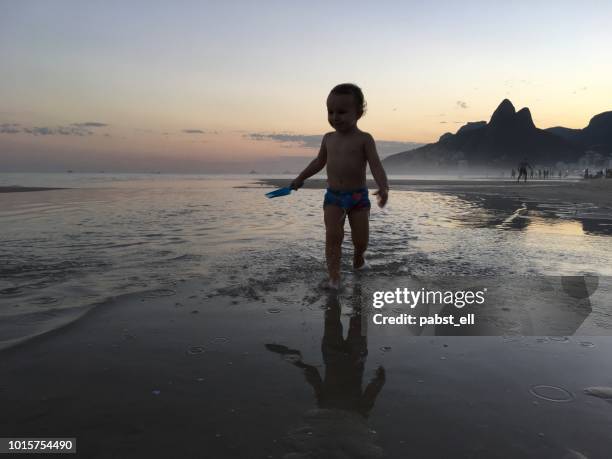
297	184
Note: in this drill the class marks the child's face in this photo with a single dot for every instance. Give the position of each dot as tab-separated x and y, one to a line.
342	112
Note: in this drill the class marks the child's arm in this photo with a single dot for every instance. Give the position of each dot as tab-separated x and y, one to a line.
378	172
315	166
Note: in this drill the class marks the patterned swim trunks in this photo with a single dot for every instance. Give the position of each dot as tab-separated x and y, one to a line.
347	200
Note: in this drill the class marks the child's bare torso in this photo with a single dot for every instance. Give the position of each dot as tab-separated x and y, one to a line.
346	160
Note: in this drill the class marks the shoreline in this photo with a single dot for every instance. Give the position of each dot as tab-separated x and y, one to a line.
20	189
595	192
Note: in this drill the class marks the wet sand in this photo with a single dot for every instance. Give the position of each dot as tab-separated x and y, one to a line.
596	192
294	373
19	189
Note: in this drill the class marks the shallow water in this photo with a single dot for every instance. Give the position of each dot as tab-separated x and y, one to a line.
63	251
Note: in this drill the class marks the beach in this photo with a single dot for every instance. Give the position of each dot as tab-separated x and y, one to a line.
157	320
596	192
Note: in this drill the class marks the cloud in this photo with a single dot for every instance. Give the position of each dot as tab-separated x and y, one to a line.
462	104
385	147
9	128
305	141
193	131
61	130
75	129
90	124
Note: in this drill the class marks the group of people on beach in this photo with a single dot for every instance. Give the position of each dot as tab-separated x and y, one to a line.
540	174
607	173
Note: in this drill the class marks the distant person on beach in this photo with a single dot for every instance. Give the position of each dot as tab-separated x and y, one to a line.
522	168
513	174
346	151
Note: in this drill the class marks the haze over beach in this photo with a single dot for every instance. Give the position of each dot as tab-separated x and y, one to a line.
236	86
156	302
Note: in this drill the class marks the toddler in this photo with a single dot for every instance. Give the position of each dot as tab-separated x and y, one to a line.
346	151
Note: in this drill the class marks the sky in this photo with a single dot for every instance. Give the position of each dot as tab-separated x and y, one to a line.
207	86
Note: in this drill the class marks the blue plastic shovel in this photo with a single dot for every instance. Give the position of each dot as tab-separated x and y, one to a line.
280	192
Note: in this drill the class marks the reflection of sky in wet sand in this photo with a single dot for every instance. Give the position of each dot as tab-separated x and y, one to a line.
542	226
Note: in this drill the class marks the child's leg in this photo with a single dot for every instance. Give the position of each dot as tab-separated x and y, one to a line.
360	233
334	233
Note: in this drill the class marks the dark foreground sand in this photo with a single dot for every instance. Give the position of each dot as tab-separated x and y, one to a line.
596	192
286	373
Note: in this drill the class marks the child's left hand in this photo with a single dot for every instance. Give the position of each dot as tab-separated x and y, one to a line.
382	195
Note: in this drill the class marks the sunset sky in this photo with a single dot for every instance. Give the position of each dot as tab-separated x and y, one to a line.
211	86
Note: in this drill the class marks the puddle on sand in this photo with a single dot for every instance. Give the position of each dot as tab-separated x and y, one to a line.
219	340
194	350
559	339
552	393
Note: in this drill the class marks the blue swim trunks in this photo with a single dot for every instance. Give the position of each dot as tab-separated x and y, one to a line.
347	200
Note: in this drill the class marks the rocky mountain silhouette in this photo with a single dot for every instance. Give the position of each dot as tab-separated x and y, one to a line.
505	140
597	136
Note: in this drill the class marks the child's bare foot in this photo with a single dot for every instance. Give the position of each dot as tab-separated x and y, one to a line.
360	263
329	284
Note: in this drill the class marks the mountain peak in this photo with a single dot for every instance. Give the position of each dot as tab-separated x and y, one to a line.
503	113
523	118
602	118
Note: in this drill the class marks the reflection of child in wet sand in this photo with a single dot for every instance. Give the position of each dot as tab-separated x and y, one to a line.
338	427
344	364
346	152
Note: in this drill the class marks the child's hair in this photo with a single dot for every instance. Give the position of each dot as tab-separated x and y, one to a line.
355	91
